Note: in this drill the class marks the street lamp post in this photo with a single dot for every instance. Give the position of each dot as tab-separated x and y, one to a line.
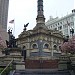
72	31
24	53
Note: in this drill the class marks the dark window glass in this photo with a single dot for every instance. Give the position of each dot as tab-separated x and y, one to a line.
59	28
46	46
34	46
60	48
58	23
55	47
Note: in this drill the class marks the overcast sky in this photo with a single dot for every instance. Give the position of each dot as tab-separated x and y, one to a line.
24	11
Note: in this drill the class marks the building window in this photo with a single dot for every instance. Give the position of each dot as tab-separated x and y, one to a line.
55	47
55	29
46	46
34	46
24	47
65	26
59	28
60	48
58	23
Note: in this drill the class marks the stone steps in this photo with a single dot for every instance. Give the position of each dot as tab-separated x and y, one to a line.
41	72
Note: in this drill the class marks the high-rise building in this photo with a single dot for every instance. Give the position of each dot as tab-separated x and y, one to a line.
64	24
4	13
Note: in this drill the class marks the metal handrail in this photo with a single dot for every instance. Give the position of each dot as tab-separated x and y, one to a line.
6	67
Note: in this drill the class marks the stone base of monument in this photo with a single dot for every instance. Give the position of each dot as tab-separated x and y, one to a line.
11	54
41	64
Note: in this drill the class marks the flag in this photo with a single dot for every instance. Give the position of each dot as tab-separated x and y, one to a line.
12	21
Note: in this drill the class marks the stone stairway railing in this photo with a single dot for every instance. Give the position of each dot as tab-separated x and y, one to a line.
67	62
7	69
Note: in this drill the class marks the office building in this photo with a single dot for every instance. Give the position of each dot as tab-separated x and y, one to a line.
64	24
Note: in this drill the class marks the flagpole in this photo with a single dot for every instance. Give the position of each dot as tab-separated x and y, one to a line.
14	28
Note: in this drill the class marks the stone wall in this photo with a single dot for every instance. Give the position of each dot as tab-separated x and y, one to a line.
41	64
